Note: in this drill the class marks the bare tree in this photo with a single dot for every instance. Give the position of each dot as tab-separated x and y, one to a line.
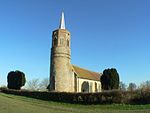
43	84
36	84
132	86
33	84
122	86
145	85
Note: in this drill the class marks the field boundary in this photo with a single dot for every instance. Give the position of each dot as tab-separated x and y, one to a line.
106	97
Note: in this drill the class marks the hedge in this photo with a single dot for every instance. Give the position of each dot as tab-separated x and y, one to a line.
106	97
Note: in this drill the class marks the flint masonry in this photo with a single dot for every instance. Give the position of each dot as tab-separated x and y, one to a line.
65	77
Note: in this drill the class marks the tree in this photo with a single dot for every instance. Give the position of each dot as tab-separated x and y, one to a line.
16	79
122	86
110	79
44	84
132	87
145	85
33	84
36	84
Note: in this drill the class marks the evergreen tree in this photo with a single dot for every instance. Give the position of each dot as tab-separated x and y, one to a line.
16	79
110	79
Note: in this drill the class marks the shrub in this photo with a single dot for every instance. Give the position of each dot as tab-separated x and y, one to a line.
108	97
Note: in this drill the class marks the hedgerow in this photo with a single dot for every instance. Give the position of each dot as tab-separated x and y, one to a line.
106	97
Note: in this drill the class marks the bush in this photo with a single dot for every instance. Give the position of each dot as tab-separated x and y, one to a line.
108	97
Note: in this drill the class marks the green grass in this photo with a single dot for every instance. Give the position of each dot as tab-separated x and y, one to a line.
19	104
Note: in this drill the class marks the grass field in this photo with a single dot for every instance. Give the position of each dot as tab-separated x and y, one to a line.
19	104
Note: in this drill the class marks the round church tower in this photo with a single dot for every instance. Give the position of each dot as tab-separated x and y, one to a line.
61	79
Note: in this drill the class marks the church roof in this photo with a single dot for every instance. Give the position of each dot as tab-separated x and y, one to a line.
86	74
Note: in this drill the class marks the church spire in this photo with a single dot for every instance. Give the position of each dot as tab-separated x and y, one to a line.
62	21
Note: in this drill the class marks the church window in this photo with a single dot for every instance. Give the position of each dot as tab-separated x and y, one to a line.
68	43
55	41
95	87
54	33
61	41
75	82
85	87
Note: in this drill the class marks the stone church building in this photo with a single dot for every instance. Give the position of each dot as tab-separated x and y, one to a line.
65	77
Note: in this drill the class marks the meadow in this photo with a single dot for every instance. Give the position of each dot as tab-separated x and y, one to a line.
19	104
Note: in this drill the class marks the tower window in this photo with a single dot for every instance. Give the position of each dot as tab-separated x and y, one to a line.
68	43
55	41
61	41
54	33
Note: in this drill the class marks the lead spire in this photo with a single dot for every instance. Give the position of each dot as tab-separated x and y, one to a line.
62	21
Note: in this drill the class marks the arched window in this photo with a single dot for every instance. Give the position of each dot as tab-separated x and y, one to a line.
61	41
85	87
75	82
95	87
68	43
55	41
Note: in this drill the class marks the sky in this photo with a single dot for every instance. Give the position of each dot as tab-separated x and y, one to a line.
104	34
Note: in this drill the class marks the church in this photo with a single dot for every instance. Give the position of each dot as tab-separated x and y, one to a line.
64	76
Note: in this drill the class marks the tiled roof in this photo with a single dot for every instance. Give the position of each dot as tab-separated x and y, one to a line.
86	74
